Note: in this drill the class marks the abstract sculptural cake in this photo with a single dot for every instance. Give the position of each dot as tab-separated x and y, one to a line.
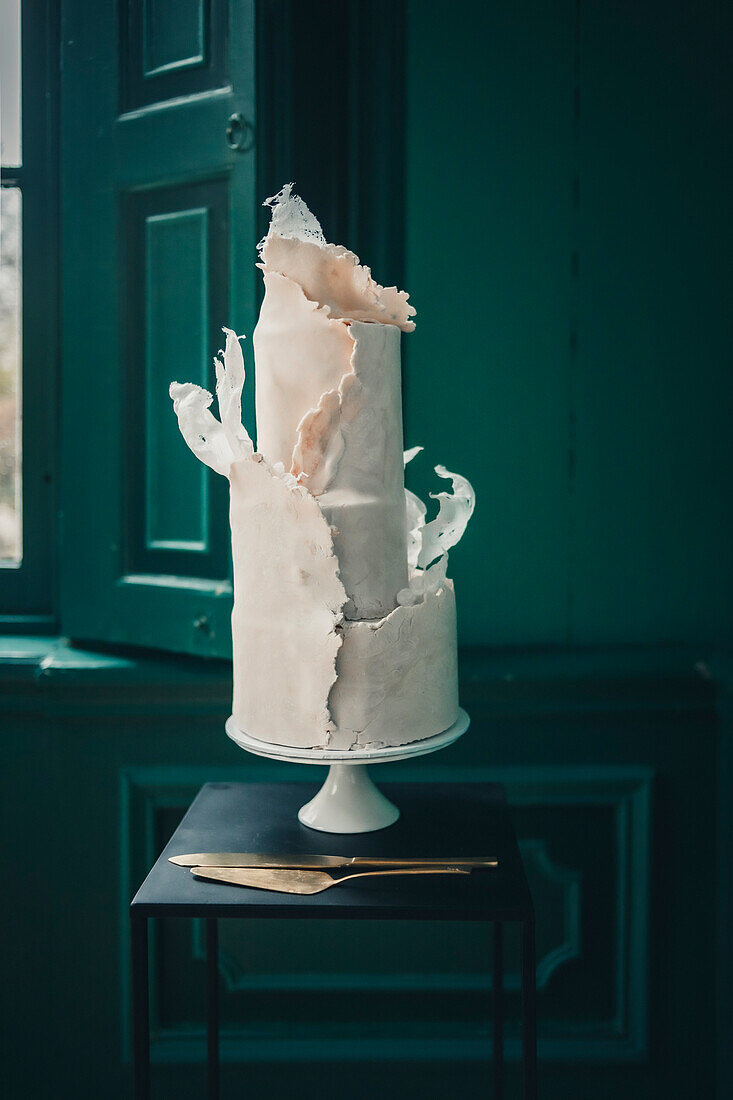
344	622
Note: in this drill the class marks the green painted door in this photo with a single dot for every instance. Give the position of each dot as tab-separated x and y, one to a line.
159	214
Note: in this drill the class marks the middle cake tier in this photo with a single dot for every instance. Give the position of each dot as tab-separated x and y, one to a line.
329	408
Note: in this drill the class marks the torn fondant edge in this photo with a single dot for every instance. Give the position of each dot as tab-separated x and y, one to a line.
397	678
320	441
328	274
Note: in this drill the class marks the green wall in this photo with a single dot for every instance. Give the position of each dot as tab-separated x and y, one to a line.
568	225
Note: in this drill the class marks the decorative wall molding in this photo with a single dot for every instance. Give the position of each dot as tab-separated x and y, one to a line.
538	862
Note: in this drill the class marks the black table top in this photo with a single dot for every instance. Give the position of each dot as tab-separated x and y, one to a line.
436	820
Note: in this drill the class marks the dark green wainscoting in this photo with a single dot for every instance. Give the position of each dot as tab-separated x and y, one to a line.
609	758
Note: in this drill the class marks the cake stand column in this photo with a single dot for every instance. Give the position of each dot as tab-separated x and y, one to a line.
348	802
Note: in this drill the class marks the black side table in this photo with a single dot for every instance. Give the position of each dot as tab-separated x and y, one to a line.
447	819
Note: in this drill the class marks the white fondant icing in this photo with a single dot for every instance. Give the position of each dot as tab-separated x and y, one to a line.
287	604
415	512
365	499
397	679
329	405
300	354
322	527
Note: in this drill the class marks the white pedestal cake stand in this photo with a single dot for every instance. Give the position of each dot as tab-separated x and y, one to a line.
348	801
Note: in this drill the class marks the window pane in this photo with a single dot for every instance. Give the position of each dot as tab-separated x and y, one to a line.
10	319
10	149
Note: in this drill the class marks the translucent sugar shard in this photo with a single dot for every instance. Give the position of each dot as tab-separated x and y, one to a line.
454	512
230	376
216	443
424	582
199	427
291	218
429	542
415	512
287	605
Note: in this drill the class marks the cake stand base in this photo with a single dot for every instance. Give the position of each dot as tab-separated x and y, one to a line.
348	801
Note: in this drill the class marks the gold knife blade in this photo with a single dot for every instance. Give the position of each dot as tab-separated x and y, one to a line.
322	862
284	880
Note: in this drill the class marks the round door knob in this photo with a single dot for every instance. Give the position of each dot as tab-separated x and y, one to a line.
240	135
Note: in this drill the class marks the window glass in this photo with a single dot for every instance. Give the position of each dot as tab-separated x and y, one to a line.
10	148
10	322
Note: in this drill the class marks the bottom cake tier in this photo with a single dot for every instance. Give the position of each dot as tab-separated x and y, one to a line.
396	680
304	675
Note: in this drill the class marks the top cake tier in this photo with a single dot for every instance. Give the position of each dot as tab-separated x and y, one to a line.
328	398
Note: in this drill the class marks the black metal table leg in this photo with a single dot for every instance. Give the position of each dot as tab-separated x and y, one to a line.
529	1011
212	1007
498	980
140	1007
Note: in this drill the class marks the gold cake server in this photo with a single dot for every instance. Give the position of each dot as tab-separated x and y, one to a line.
321	862
299	881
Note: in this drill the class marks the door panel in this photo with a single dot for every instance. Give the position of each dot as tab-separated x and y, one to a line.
162	214
170	49
176	272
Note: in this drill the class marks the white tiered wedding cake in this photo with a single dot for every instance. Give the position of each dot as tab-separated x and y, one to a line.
344	627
